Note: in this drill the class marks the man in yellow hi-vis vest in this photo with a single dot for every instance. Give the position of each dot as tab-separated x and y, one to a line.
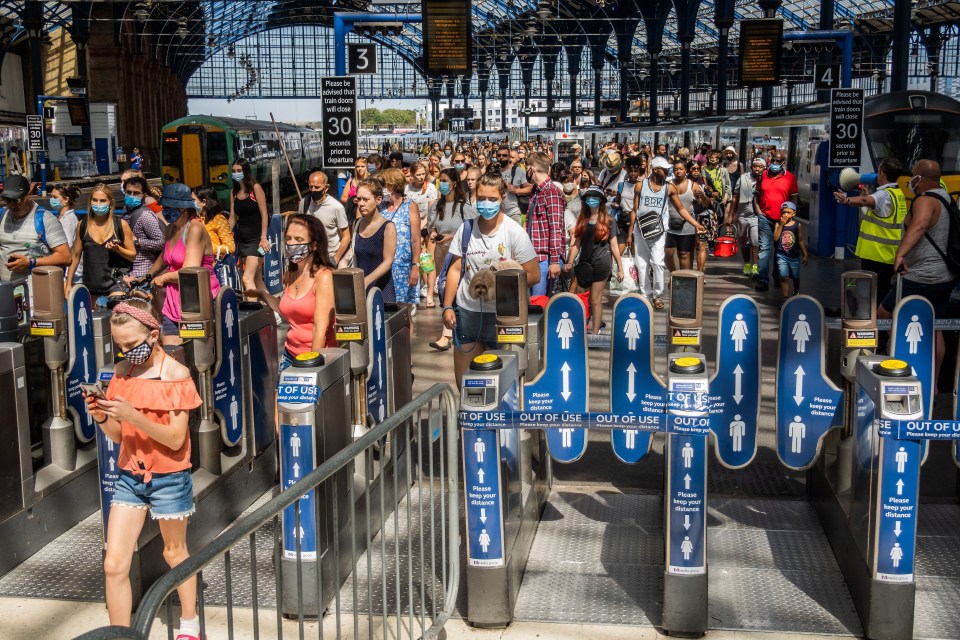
881	223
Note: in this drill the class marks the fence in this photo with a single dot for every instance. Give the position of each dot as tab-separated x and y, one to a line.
393	571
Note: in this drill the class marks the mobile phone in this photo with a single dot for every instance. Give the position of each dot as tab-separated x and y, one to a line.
93	389
261	251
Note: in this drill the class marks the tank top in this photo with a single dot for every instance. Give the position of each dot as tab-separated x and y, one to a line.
99	262
653	201
686	199
369	254
249	224
924	261
173	256
299	312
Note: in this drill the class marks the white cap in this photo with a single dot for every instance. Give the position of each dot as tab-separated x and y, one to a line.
660	162
730	149
760	161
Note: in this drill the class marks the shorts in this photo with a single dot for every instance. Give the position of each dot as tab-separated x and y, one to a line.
476	326
168	327
748	231
249	249
168	496
788	267
286	360
685	243
938	294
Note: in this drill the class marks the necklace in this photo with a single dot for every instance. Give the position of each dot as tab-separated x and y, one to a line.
300	279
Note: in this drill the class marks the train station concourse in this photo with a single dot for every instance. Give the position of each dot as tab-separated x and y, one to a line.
478	319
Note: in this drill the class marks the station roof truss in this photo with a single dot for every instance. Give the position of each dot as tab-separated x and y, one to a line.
186	35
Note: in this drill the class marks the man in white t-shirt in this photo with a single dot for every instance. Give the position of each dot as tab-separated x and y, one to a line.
22	248
330	212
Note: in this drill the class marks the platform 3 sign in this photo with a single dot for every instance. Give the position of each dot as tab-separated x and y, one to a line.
808	403
735	386
297	459
83	359
228	378
377	375
563	385
895	544
635	388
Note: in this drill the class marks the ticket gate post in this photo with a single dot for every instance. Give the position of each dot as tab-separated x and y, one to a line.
353	335
685	501
314	425
496	549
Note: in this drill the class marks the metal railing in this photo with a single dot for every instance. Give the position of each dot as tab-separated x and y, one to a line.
404	584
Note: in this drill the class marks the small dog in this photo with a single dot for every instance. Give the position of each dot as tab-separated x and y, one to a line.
483	285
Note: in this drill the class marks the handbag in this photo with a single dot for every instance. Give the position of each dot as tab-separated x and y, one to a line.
726	246
227	272
650	225
583	271
676	224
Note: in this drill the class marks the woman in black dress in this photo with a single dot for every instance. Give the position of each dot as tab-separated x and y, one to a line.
248	219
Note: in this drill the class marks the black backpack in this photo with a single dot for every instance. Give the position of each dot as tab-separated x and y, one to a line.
951	257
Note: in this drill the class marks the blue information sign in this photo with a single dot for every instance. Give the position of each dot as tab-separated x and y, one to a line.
808	403
83	359
297	459
897	515
108	458
481	478
377	376
563	385
273	260
735	386
635	388
227	379
687	508
914	342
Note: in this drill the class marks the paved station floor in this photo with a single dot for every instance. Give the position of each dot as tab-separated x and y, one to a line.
600	504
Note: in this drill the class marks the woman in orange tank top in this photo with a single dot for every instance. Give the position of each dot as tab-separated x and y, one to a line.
146	410
307	299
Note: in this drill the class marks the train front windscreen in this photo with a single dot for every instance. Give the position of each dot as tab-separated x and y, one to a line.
916	135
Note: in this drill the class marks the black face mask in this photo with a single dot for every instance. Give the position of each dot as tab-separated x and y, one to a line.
317	196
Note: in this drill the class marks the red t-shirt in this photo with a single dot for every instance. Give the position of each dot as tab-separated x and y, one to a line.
774	191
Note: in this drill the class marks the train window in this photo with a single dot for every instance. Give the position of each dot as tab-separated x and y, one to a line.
914	136
216	149
171	149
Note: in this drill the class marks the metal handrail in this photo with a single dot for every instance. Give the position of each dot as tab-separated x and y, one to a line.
154	598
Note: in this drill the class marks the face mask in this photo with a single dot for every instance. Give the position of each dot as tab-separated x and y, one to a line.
55	204
460	166
447	152
171	215
317	196
139	354
914	182
444	188
593	203
237	176
372	169
775	168
132	201
100	209
297	252
488	209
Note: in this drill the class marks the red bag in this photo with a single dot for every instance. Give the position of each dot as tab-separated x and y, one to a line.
541	301
725	246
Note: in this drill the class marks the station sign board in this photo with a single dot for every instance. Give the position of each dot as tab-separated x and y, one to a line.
36	140
447	38
826	76
361	58
338	110
846	127
761	46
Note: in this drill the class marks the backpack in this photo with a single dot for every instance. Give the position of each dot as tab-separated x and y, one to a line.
38	225
951	259
523	201
464	243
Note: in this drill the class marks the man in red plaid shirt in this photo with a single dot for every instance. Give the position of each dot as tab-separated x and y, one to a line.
545	221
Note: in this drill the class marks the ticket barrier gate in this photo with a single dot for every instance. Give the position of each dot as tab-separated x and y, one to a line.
232	352
48	466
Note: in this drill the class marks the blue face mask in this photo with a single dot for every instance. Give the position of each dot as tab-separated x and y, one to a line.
775	168
593	203
100	209
237	176
55	204
488	209
171	215
459	166
132	201
371	169
444	188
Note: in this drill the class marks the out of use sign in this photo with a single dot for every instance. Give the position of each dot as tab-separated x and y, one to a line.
846	127
339	115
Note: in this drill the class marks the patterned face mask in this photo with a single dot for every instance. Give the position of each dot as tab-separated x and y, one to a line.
297	252
138	354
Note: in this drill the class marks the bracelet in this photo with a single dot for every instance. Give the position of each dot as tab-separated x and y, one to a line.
32	263
444	310
100	421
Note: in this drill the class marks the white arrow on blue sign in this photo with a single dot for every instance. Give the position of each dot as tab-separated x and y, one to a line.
914	342
687	496
227	380
635	387
83	365
377	371
894	548
808	403
297	459
563	385
482	486
735	386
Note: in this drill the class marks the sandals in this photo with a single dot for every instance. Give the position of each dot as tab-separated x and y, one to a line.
658	304
436	345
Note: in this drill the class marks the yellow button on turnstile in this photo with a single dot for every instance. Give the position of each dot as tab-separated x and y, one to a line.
687	364
486	362
893	367
308	359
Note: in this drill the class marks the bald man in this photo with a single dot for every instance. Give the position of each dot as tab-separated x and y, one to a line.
920	256
330	212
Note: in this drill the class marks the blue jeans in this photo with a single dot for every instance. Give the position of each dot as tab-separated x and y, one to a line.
540	289
765	231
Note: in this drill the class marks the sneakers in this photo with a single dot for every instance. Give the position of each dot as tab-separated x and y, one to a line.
754	271
748	269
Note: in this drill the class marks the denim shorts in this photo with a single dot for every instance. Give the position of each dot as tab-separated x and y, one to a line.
169	327
168	495
476	326
788	267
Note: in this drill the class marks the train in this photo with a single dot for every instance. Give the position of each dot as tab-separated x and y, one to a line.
201	149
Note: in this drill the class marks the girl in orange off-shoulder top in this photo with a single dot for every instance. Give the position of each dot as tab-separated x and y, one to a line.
146	411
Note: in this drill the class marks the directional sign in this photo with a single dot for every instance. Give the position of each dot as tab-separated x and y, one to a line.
297	459
687	495
108	458
735	386
808	403
846	127
83	359
563	385
273	260
36	136
914	342
635	388
893	559
482	484
227	380
361	58
377	371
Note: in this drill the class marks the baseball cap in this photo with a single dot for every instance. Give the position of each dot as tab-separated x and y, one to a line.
760	161
177	196
788	205
730	149
660	163
593	191
15	187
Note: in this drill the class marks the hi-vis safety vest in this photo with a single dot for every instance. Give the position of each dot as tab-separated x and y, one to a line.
879	237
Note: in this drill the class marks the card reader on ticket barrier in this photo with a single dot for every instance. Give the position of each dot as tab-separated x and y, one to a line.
686	310
350	304
197	331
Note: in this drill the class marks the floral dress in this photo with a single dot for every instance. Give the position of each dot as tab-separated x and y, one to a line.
403	261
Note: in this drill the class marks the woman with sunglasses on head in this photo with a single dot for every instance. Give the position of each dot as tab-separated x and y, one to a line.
146	410
104	242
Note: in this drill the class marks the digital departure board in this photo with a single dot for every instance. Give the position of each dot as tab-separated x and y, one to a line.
761	44
447	37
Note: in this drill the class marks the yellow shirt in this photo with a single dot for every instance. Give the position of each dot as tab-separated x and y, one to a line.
221	236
